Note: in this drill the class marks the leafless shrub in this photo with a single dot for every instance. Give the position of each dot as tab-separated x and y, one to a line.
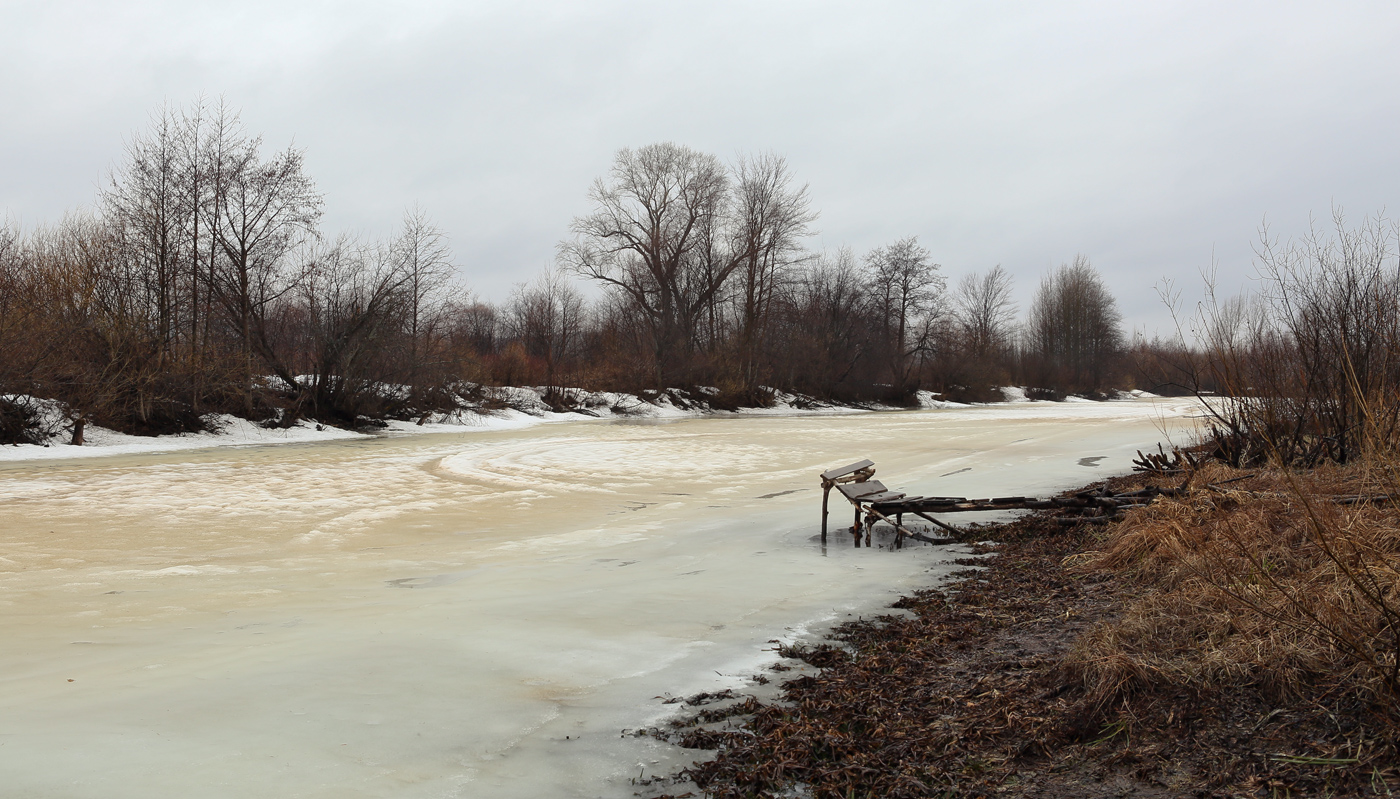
1310	366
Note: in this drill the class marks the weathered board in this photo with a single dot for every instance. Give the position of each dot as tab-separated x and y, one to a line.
834	474
855	491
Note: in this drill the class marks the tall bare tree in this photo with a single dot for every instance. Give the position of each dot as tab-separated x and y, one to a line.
1075	328
421	248
645	239
985	312
265	211
144	205
771	216
908	292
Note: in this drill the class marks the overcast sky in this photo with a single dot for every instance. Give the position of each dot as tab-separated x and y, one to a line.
1147	136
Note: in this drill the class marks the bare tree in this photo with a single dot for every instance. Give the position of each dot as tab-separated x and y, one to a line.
475	326
355	299
144	206
94	346
265	210
644	239
422	250
1074	329
547	317
830	332
985	312
907	292
16	309
1311	362
770	218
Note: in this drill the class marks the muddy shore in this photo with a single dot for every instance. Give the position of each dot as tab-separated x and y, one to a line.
962	691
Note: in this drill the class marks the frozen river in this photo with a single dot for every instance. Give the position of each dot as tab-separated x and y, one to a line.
474	614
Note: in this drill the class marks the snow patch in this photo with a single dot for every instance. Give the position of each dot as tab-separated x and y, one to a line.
930	401
1014	394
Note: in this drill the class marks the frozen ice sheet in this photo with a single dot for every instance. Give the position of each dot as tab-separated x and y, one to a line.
455	614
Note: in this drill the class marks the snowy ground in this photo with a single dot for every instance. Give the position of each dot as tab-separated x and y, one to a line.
526	410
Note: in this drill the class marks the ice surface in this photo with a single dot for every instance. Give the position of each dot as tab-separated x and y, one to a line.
456	614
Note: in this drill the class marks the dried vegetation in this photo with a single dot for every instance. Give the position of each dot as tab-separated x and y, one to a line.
1207	645
1269	581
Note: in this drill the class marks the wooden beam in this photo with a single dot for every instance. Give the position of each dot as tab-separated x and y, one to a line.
950	528
826	494
832	474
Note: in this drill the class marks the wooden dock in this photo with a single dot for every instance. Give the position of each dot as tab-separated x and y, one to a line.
874	502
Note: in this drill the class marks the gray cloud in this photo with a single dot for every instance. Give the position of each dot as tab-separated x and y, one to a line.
1145	135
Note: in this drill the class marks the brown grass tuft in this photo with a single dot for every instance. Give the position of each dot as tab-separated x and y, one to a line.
1267	581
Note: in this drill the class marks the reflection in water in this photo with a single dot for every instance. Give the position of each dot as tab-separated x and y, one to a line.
229	622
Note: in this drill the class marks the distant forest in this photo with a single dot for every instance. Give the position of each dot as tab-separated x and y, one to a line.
201	281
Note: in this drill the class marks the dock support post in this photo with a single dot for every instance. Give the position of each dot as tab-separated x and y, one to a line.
826	495
899	528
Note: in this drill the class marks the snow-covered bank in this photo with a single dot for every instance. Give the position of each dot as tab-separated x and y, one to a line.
506	408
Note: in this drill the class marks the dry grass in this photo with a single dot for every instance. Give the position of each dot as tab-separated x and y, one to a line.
1266	581
1205	646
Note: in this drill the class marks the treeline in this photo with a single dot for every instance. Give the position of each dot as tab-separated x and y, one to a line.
708	282
202	282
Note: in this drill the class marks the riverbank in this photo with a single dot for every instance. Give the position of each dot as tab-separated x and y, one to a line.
505	408
1092	662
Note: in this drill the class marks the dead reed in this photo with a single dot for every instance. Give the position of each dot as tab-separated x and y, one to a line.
1288	581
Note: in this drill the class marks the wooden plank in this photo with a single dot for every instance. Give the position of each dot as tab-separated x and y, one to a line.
884	496
931	502
899	504
832	474
858	490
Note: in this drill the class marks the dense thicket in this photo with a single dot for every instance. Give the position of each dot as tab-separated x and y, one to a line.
201	281
1309	367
